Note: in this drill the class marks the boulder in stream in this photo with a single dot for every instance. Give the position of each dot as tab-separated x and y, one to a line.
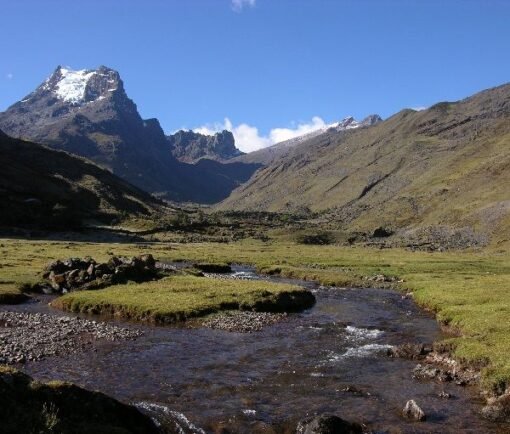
410	351
327	424
413	411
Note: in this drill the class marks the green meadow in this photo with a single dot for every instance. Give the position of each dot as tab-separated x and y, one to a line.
469	292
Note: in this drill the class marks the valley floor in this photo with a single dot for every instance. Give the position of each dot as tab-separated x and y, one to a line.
468	291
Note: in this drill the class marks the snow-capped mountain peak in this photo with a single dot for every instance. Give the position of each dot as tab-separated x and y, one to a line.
73	96
76	87
72	85
350	123
347	123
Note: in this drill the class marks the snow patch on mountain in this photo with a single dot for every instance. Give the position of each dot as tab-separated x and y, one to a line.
72	85
347	123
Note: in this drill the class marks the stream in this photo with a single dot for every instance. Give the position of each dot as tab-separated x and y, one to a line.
330	358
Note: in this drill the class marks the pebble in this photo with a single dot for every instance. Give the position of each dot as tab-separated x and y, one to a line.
33	336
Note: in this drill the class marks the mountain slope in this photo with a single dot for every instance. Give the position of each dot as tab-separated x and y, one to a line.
51	188
189	147
448	166
268	155
88	113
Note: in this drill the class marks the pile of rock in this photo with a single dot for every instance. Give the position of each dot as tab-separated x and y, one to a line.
78	274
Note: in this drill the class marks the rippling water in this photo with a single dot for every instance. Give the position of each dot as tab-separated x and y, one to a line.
202	379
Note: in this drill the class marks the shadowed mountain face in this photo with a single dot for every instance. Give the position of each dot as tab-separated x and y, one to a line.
189	147
51	188
445	166
89	114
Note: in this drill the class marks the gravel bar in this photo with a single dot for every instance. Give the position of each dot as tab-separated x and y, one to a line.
244	321
33	336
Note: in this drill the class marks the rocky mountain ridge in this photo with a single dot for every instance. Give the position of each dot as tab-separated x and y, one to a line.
89	114
347	123
268	155
189	146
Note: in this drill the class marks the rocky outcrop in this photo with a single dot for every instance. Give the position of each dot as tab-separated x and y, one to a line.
327	424
371	120
189	147
78	274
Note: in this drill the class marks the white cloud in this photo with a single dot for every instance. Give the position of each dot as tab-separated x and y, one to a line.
10	76
278	135
419	109
249	139
238	5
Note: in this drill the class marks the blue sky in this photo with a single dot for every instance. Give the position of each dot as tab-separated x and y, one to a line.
264	68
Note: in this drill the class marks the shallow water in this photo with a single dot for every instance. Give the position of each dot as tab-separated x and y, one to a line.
204	379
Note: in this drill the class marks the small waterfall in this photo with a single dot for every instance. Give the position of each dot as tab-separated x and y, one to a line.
169	419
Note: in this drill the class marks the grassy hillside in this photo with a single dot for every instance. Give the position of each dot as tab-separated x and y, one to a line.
445	167
54	189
